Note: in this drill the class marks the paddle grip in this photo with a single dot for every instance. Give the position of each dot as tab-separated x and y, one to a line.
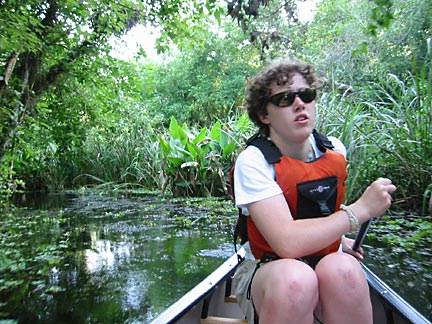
361	235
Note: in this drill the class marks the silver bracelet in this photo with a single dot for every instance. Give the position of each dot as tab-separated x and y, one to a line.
353	220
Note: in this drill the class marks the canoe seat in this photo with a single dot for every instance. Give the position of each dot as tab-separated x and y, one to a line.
222	320
228	298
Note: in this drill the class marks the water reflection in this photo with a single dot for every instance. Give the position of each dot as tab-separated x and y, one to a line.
100	255
125	259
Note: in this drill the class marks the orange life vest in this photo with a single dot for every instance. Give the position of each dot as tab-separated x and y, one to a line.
312	189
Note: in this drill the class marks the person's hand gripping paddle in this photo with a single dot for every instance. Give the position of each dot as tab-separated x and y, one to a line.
389	189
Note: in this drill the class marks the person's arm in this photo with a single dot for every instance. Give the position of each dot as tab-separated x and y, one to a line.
296	238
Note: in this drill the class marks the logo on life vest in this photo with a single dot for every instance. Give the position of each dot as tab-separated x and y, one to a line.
319	189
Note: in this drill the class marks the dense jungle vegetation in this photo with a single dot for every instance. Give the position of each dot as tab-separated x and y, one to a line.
72	115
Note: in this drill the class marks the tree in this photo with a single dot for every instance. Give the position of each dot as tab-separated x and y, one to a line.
340	42
55	83
41	41
266	23
203	82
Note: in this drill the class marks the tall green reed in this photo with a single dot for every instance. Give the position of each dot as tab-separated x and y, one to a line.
126	160
343	117
403	114
387	131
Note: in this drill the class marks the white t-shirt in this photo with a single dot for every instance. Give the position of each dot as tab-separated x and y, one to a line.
254	178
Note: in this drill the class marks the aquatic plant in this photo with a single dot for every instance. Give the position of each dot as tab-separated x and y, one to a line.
197	163
24	267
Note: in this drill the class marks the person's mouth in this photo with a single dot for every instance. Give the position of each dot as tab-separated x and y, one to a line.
302	118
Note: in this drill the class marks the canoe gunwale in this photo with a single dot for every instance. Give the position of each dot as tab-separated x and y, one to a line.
200	291
392	300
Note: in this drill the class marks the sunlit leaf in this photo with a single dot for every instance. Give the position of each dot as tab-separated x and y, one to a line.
216	131
164	145
201	136
229	149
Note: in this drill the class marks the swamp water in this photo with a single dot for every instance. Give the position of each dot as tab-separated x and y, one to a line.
92	258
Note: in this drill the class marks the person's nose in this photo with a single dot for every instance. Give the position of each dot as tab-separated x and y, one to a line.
298	104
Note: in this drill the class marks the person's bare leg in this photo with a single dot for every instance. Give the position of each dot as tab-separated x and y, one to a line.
343	289
285	291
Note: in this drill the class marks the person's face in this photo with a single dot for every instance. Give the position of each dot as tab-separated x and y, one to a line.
293	123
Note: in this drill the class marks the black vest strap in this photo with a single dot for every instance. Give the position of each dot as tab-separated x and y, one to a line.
272	153
267	147
322	141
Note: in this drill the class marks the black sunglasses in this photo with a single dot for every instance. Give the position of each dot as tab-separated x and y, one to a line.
286	98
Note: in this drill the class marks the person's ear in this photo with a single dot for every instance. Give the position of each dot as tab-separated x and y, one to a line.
264	118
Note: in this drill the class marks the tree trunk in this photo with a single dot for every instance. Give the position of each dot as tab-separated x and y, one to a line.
8	71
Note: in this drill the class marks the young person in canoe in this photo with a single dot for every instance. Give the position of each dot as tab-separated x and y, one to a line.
290	184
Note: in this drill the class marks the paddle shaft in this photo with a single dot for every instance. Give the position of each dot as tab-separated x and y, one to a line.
361	235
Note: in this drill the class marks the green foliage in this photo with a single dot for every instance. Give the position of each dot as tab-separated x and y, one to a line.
129	160
381	15
334	41
8	185
404	125
388	132
184	20
339	42
85	110
197	163
43	45
399	231
204	82
269	26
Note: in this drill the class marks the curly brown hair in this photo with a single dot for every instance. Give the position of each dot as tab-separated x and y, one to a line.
259	87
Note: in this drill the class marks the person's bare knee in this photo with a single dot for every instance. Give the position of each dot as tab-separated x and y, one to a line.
342	284
285	288
340	272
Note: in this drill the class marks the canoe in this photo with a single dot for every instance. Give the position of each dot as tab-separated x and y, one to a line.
212	302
